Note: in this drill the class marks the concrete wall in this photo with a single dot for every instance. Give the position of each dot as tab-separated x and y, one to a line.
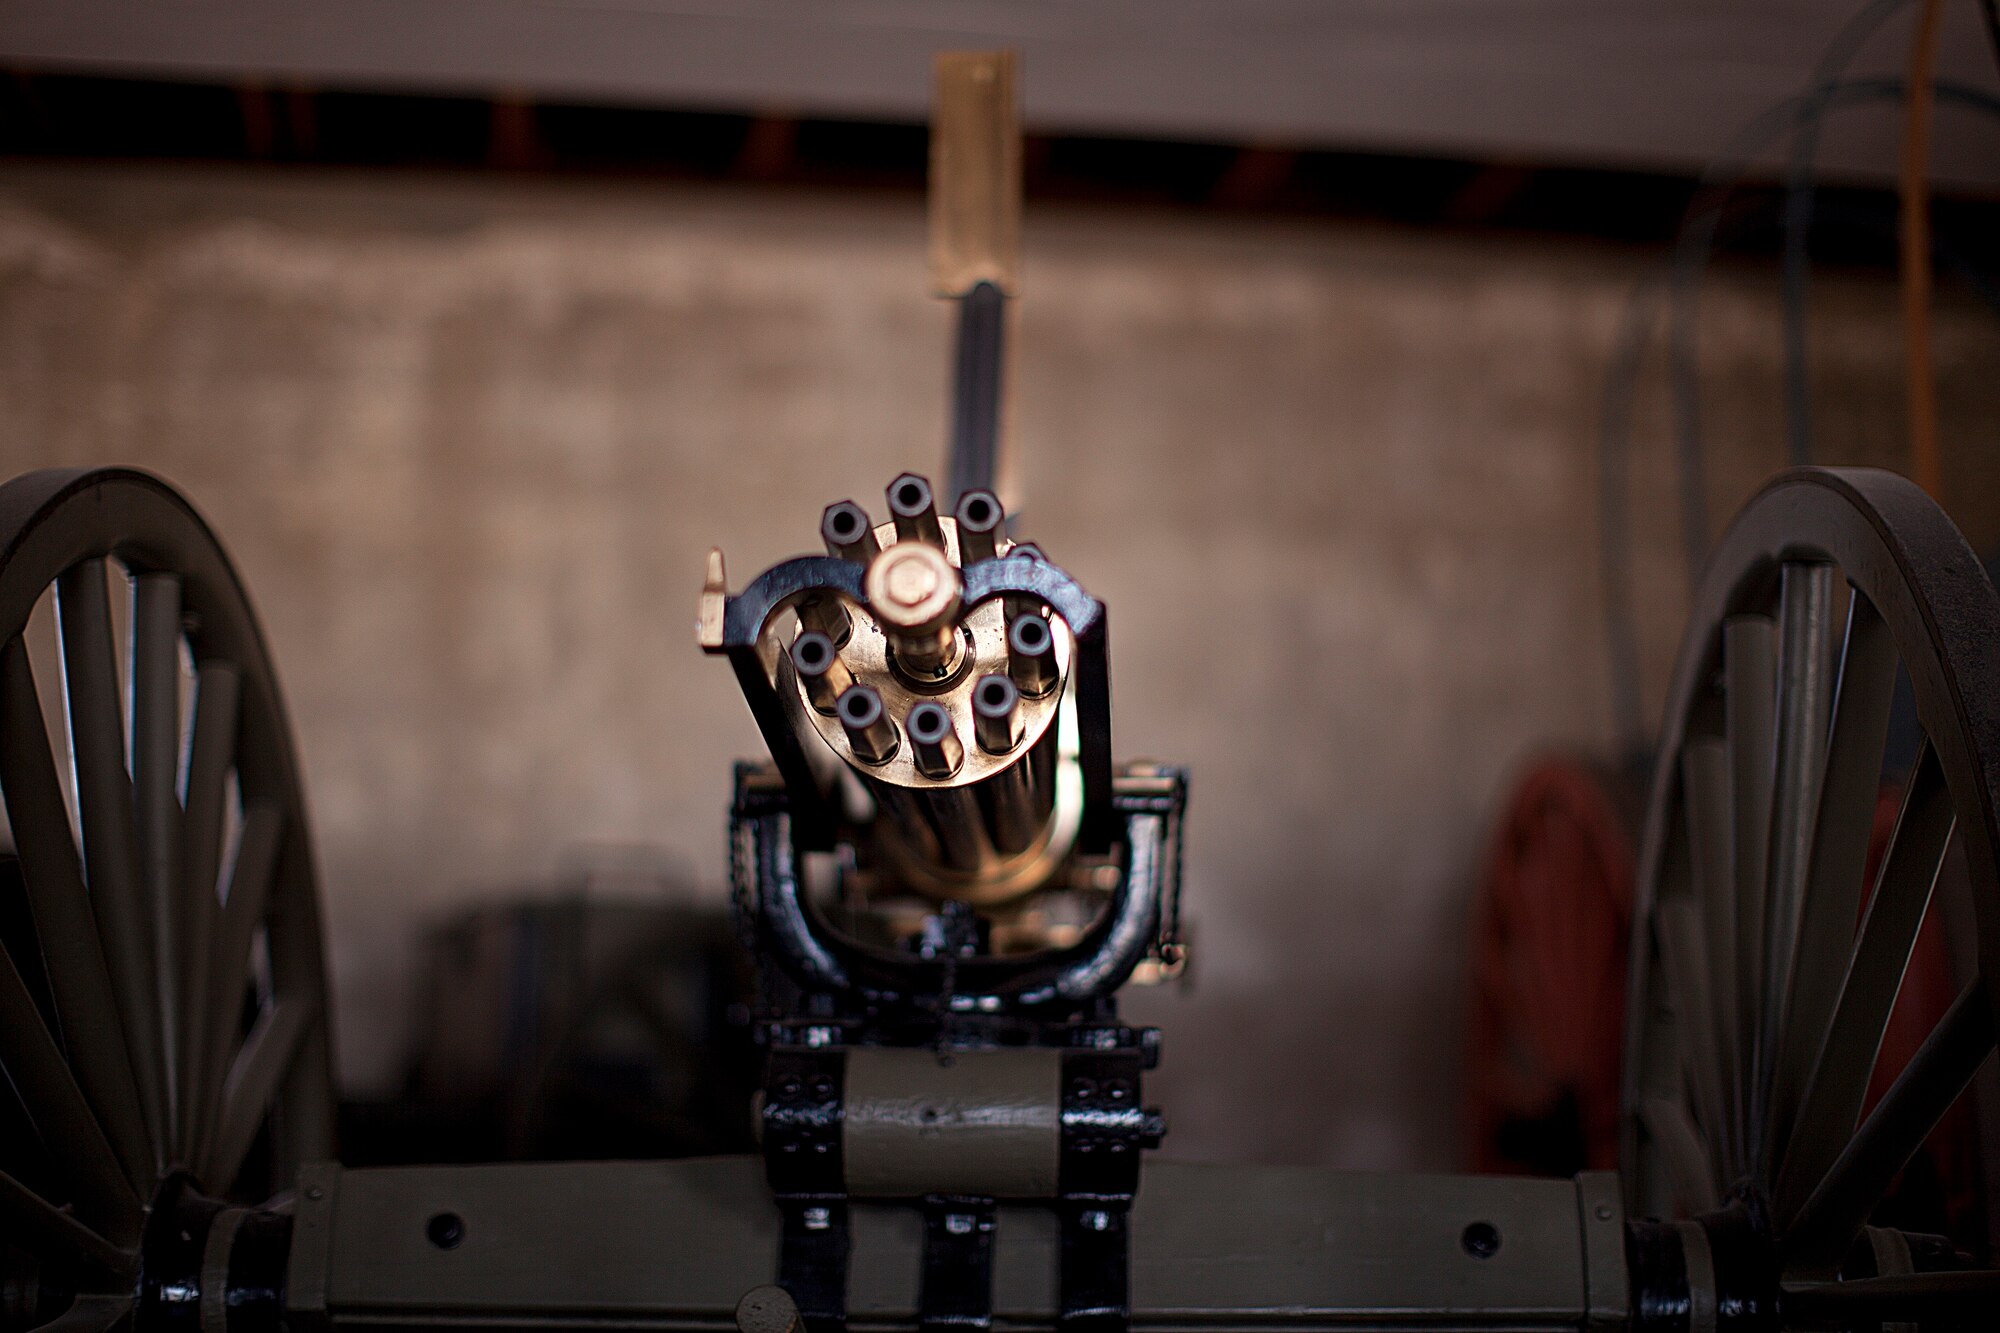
468	441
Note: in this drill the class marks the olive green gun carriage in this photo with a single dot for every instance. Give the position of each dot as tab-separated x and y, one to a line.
166	1155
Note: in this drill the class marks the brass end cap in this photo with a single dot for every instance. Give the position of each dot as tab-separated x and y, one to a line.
913	588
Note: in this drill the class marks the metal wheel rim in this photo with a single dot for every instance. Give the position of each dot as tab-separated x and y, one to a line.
167	1014
1783	1137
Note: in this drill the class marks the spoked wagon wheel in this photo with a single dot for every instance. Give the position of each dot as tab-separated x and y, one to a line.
163	1016
1765	970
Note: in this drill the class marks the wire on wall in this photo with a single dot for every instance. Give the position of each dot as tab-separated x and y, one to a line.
1799	201
1914	190
1709	221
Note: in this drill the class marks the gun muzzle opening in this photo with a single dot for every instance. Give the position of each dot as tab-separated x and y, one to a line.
848	533
934	745
869	731
914	592
914	511
996	714
1031	655
980	519
824	675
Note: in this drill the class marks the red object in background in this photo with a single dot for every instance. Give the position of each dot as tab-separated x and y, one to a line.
1939	1189
1546	1030
1552	926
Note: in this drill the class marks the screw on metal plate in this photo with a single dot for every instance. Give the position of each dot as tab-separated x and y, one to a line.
767	1310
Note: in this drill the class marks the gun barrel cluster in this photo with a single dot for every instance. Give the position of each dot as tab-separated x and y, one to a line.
948	714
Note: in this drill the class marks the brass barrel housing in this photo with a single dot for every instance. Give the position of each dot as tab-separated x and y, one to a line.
825	615
934	741
980	523
996	714
974	778
1020	799
820	670
1031	655
845	529
914	510
870	734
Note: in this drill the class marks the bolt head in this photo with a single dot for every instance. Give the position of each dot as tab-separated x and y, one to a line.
910	582
912	586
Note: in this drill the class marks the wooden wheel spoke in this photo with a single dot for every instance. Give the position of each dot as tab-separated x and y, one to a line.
1805	691
92	1031
1680	952
1705	784
1852	1038
110	847
1750	668
229	952
1847	798
156	751
1939	1071
1818	954
44	1230
62	1116
211	753
161	892
268	1053
1687	1157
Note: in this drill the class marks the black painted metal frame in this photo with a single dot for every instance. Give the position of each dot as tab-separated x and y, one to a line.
1050	985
